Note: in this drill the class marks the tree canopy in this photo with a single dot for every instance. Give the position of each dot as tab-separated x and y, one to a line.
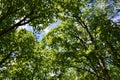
85	46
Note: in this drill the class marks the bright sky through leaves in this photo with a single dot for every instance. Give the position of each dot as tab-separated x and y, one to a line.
46	30
59	40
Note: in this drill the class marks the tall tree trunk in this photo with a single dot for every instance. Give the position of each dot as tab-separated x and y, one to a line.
104	69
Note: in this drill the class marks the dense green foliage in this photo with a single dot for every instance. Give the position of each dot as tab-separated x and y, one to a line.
85	46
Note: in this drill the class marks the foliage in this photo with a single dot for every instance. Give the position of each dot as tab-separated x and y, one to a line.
85	42
85	46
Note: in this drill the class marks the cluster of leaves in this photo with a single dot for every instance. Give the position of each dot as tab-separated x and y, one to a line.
18	48
85	46
86	43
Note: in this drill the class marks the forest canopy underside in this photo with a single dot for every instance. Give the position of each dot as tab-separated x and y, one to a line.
85	46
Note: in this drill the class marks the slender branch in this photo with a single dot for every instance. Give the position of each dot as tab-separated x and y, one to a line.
82	41
82	23
15	25
28	21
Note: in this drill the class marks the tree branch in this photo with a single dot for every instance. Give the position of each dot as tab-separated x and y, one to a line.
82	23
16	25
28	21
93	67
104	69
82	41
87	71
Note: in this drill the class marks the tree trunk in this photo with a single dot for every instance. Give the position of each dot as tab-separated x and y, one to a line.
104	69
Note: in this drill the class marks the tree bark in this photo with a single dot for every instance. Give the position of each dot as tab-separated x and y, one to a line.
104	69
